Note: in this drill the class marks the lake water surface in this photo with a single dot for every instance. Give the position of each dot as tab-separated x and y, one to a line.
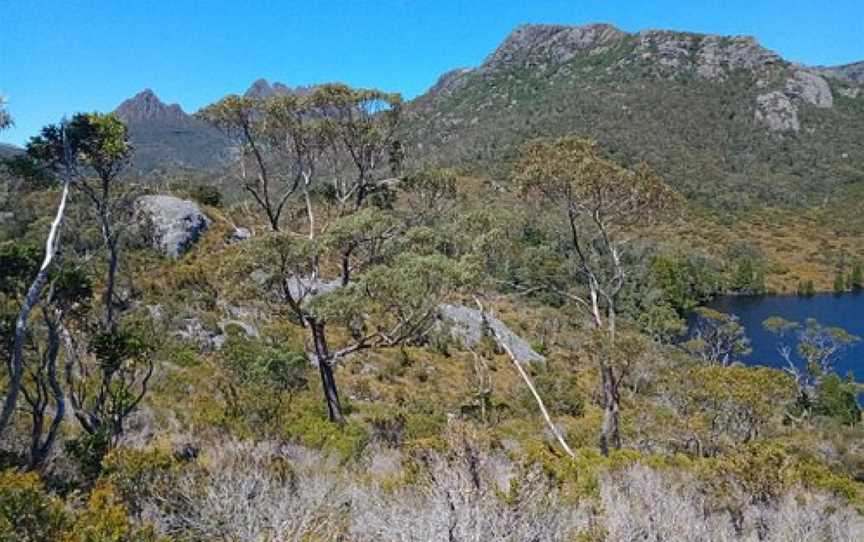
845	310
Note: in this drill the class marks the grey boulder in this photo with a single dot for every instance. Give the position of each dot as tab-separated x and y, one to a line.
466	325
169	224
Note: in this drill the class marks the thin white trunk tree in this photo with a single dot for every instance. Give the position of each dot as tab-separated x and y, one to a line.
52	243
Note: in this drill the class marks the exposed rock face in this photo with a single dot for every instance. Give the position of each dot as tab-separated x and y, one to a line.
777	112
171	225
467	326
849	73
810	88
450	81
717	55
538	45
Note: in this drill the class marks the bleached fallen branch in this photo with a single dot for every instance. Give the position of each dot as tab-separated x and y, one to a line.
527	380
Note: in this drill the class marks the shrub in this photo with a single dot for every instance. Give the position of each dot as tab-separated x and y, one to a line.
838	399
105	520
27	512
207	194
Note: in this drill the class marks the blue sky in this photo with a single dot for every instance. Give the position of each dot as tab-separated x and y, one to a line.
59	57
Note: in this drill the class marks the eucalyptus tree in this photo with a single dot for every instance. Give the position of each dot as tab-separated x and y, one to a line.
276	147
108	366
602	206
102	151
64	158
360	130
390	302
810	351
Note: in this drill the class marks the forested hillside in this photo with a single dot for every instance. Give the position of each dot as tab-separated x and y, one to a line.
726	121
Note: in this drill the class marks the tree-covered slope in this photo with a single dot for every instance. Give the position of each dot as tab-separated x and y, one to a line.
723	119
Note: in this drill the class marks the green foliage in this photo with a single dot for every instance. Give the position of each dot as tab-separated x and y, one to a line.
561	394
88	450
27	512
96	141
308	425
838	399
806	288
18	266
260	384
839	282
718	337
856	278
138	474
105	519
727	406
748	269
686	281
115	348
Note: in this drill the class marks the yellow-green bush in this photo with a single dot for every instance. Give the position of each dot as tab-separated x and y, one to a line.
27	512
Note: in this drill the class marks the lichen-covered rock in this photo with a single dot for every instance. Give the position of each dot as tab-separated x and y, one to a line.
466	325
776	111
719	55
169	224
810	88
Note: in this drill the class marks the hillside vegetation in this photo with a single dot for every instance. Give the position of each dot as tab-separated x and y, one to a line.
692	106
389	321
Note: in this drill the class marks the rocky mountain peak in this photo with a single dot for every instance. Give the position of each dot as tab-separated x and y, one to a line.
262	88
536	44
146	106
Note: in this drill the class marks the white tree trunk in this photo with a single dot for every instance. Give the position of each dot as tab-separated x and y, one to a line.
16	366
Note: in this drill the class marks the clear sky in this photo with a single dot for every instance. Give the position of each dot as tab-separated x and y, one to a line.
58	57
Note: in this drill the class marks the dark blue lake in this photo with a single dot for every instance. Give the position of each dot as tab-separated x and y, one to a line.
845	310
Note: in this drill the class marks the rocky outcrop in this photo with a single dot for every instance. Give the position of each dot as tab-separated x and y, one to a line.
810	88
777	112
717	55
169	224
539	45
466	325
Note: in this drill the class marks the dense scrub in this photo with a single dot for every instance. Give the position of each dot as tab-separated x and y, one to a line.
235	437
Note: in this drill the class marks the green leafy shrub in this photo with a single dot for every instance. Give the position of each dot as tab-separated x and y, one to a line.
838	399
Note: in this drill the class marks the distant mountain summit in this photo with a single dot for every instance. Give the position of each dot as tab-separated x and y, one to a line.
147	107
8	151
262	88
724	119
165	137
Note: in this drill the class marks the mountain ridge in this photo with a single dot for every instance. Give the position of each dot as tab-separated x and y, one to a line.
719	116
